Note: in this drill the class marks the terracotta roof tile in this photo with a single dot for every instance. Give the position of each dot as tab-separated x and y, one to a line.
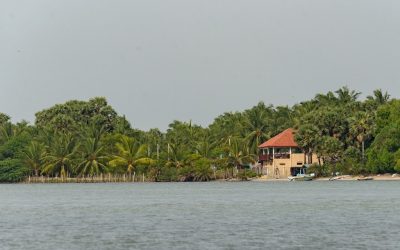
284	139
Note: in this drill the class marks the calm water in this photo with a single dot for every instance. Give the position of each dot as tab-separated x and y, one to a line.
251	215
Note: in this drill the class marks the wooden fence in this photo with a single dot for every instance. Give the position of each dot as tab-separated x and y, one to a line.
106	178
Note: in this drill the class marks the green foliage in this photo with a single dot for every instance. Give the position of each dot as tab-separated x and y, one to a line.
93	160
388	114
244	175
319	171
130	155
168	174
12	170
72	115
61	158
397	166
89	138
202	171
34	157
381	154
13	147
4	118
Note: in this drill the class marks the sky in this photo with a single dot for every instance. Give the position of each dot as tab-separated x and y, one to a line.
161	60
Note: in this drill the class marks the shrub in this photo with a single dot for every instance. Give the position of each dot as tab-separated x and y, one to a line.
244	175
11	170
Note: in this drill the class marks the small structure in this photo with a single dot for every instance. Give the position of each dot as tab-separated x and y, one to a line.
281	157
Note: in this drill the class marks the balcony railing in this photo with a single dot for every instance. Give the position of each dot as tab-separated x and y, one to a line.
282	156
269	157
265	157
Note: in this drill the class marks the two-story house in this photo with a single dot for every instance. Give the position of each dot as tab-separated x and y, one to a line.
281	157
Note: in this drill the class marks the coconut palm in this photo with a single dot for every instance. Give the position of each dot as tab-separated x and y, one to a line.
362	128
130	155
6	131
345	95
307	137
176	154
60	159
203	171
93	158
379	97
256	126
239	155
34	156
94	131
206	144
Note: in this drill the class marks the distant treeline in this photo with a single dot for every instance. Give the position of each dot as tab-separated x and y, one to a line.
80	139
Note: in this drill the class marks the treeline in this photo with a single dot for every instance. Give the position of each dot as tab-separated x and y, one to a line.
88	139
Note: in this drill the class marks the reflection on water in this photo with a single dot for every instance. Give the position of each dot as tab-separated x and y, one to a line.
218	215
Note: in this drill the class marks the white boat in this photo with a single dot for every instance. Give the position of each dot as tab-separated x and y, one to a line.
302	177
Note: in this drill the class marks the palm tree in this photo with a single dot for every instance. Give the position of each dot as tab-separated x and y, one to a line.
323	100
4	118
60	159
307	137
176	154
203	170
345	95
6	132
93	162
379	97
130	155
362	128
206	144
34	156
256	124
228	125
239	155
94	131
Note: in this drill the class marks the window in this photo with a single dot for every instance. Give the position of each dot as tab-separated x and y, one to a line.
296	151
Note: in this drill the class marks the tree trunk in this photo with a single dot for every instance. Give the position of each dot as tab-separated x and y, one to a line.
363	150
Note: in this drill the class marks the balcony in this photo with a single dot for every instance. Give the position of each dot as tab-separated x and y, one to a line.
265	157
269	157
282	156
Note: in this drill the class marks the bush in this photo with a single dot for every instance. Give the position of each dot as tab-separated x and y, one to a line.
244	175
11	170
168	174
202	171
397	167
319	171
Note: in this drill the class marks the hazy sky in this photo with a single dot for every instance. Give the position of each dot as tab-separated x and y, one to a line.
160	60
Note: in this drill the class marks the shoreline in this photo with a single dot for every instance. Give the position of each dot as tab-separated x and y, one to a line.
382	177
379	177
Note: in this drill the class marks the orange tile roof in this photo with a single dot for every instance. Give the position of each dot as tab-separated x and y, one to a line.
284	139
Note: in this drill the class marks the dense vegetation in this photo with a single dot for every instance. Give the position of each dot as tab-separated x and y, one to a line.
89	139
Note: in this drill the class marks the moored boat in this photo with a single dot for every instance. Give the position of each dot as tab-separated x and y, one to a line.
301	177
365	179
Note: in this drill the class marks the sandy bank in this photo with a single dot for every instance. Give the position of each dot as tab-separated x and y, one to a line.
384	177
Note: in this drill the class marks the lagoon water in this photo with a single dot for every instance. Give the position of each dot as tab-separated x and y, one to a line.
217	215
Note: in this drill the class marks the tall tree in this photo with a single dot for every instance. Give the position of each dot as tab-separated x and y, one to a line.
379	97
130	155
256	126
34	157
61	156
93	159
362	127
